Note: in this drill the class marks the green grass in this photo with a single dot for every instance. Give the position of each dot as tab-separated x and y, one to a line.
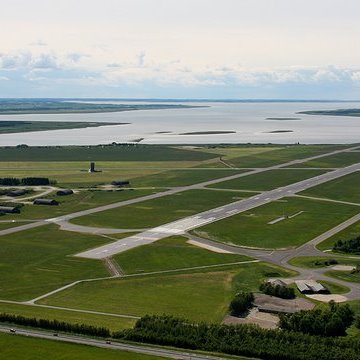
37	261
113	323
76	202
7	225
159	211
346	234
344	275
251	228
334	161
181	177
14	347
345	188
269	180
335	288
285	154
138	152
310	261
202	296
171	253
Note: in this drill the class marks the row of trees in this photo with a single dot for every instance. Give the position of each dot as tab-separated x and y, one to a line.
348	246
55	325
280	291
330	321
242	340
30	181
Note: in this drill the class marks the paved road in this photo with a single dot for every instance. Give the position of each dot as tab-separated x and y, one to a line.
147	350
169	192
210	216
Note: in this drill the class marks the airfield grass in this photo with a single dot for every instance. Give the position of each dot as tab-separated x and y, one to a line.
282	155
113	323
198	296
8	225
139	152
335	161
345	188
315	262
169	254
181	177
159	211
350	232
268	180
251	228
14	347
39	260
335	288
344	275
85	199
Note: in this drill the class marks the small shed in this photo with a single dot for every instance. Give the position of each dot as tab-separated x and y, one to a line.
120	183
63	192
311	287
45	202
9	209
277	282
303	288
15	193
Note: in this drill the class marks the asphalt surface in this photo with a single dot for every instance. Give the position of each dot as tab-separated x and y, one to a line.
146	350
210	216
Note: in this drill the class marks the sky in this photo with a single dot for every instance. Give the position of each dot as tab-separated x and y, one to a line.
270	49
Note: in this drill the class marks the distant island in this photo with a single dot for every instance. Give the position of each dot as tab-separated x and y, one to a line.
10	127
208	132
282	118
338	112
58	106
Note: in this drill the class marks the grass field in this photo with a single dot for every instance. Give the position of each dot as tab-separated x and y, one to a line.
14	347
76	202
269	180
334	161
345	188
138	152
171	253
159	211
314	262
113	323
252	229
202	296
347	234
344	275
181	177
37	261
335	288
6	225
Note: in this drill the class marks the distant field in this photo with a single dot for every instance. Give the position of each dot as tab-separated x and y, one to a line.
310	261
346	188
198	296
37	261
111	322
334	161
182	177
158	211
85	199
14	347
347	234
344	275
138	152
171	253
252	229
268	180
8	127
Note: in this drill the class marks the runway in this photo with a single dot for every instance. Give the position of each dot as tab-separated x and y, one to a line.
181	226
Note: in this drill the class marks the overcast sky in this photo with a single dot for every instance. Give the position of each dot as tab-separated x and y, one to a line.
180	49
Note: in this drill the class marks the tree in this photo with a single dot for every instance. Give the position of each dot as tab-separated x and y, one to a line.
241	303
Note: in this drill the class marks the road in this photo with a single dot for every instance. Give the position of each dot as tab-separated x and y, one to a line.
139	349
181	226
168	192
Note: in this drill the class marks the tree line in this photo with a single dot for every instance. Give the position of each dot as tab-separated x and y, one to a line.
348	246
28	181
280	291
55	325
241	340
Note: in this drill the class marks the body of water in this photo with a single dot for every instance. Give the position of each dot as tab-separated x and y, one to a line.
248	120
